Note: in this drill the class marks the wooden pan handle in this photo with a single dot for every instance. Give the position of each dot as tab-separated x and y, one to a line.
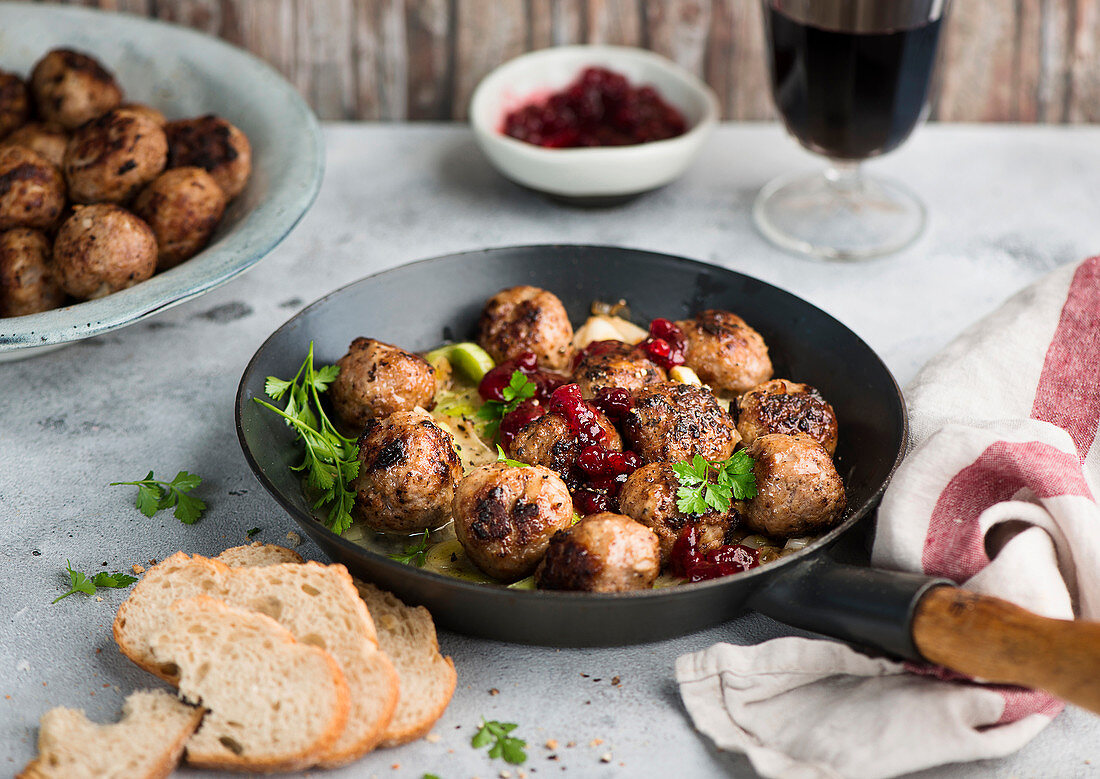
998	641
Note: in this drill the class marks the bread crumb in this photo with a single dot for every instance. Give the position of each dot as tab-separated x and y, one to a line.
395	766
432	738
570	744
98	650
137	568
616	681
293	538
605	757
106	685
98	599
552	744
494	691
505	774
595	742
153	561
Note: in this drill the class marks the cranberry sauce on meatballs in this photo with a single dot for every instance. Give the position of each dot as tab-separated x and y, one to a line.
527	319
549	441
725	352
377	379
602	553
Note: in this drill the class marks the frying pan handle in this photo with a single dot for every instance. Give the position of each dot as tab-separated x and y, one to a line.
998	641
863	606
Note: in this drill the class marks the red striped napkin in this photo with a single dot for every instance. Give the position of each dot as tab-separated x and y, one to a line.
997	494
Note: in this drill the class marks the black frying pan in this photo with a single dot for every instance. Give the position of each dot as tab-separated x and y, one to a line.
421	305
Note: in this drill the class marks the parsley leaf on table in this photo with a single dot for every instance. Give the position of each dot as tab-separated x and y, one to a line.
503	745
414	554
78	582
519	389
698	493
331	459
154	495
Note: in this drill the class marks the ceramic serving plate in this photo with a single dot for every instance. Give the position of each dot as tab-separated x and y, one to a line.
183	73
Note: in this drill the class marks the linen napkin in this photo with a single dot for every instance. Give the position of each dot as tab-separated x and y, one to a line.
997	494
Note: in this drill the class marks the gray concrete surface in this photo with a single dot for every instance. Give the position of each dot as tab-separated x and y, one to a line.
1007	204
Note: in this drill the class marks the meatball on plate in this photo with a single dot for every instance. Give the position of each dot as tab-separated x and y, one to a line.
81	66
618	515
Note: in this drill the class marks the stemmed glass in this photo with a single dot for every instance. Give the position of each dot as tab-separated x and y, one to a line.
851	80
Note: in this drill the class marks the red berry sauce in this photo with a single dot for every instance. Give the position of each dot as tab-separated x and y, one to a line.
689	562
666	344
492	388
600	108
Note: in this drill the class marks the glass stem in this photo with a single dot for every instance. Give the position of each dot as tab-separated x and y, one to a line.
845	176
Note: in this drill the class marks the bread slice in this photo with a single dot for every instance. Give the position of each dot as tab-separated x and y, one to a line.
317	603
258	554
145	744
428	678
273	703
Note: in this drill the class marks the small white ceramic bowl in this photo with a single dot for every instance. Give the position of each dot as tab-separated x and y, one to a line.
592	173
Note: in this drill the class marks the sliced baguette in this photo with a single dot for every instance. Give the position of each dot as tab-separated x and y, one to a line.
145	744
273	703
258	554
318	604
428	678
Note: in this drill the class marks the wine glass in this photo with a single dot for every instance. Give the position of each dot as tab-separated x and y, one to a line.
851	79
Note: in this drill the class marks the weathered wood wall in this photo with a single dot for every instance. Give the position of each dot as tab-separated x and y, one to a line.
1003	60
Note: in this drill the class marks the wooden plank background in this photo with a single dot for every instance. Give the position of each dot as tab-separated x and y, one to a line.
1002	60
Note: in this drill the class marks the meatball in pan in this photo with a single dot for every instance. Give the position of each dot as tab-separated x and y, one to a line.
798	491
782	406
548	441
102	249
527	319
32	192
408	469
603	552
28	284
725	352
607	364
15	104
376	379
670	422
72	88
183	206
505	516
213	144
109	159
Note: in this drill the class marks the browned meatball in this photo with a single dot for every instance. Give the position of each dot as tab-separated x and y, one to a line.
798	490
649	497
377	379
15	104
549	442
49	140
527	319
150	113
213	144
71	88
183	206
726	353
616	364
671	422
408	469
603	552
782	406
101	249
110	158
28	284
32	192
504	517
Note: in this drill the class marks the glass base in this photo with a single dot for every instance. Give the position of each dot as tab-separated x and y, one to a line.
839	214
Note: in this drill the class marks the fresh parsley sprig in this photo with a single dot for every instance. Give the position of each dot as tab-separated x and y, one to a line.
79	582
503	458
519	389
331	459
414	554
503	745
714	485
154	495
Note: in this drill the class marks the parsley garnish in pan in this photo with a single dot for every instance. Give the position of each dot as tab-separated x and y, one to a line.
714	485
503	458
518	390
503	745
79	582
155	495
331	459
414	554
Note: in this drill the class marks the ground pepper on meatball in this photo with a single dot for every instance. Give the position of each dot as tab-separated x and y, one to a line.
671	422
183	206
526	319
603	552
549	441
15	104
112	157
376	379
32	192
798	490
102	249
215	145
72	88
649	497
408	469
607	364
28	283
725	352
505	516
782	406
